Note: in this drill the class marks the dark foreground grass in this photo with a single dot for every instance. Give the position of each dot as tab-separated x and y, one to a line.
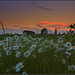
43	63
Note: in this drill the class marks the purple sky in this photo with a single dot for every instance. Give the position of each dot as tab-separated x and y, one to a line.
35	15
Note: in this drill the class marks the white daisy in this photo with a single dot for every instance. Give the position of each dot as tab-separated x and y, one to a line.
26	54
33	47
8	53
24	73
60	40
7	49
40	50
71	67
19	66
72	47
8	38
15	47
18	54
68	44
63	61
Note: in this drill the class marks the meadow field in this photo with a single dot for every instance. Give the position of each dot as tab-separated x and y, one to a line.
37	54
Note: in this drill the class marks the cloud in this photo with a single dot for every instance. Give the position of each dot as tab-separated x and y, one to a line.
56	23
39	25
53	25
41	7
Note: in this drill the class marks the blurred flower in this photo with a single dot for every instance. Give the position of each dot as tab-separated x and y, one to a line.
40	50
18	54
72	47
8	52
1	43
33	47
8	38
5	46
19	66
6	49
16	37
13	67
26	54
4	41
7	70
60	40
68	53
71	67
63	61
33	55
15	47
68	44
24	73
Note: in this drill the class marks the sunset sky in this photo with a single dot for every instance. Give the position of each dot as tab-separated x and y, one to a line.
36	15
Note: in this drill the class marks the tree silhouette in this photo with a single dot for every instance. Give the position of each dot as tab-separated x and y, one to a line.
28	32
44	31
71	32
55	31
72	26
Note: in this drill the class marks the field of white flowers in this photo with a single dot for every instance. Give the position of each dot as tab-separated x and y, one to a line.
37	54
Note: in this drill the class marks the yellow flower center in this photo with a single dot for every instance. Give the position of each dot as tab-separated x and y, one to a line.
73	47
40	49
33	47
8	52
15	47
4	41
18	54
72	68
26	53
7	48
68	44
19	66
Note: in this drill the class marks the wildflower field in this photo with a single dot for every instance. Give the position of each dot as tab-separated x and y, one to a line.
37	54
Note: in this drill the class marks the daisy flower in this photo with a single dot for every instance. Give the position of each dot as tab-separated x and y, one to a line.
8	53
24	73
19	66
8	38
1	43
33	47
56	45
40	50
7	70
33	55
15	47
60	40
24	34
26	54
16	37
72	47
71	67
13	67
68	44
68	53
5	46
6	49
63	61
18	54
4	41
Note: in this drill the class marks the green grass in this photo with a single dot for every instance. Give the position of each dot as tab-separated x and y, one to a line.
43	63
